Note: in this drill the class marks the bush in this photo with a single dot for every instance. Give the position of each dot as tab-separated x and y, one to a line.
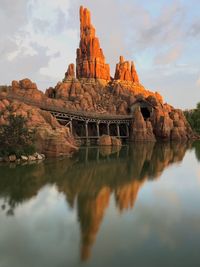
193	117
15	138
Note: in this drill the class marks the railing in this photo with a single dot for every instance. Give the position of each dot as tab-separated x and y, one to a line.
51	108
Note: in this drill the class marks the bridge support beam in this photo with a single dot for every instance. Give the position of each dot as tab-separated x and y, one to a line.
108	128
118	130
71	126
86	132
127	130
98	133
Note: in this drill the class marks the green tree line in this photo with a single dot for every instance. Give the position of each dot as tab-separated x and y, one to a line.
193	117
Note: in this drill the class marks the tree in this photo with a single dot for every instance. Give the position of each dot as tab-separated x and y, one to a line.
15	138
193	117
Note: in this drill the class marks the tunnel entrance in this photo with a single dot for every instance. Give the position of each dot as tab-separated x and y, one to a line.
145	112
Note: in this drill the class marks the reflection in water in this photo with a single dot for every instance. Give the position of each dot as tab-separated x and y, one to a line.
89	179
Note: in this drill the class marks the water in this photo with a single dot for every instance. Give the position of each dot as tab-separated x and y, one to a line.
136	207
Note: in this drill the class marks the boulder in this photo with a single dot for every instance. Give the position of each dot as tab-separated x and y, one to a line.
27	84
116	141
55	143
105	140
141	130
31	158
12	158
24	158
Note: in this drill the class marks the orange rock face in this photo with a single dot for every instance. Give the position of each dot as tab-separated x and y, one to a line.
126	71
90	61
51	138
70	72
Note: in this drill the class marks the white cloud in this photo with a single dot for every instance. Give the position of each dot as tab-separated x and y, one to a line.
169	56
40	37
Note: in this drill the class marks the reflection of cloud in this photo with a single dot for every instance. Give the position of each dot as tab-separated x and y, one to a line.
38	235
165	218
198	82
168	196
198	176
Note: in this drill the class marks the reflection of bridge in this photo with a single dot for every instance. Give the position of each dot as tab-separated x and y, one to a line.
83	124
89	179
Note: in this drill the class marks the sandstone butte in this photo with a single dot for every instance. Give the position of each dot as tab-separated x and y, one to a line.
92	89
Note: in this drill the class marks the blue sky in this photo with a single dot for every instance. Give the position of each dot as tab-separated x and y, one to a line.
39	39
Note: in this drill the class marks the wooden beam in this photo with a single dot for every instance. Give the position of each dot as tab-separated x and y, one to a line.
118	130
71	127
108	128
86	129
98	133
127	130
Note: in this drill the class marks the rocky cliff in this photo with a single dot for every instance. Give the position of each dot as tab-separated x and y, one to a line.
93	90
51	138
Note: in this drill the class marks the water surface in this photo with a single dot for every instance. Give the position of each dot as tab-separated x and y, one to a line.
136	207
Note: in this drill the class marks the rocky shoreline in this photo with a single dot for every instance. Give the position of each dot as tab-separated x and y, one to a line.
23	158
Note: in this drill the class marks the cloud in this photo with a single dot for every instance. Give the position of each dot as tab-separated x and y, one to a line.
36	42
169	56
41	37
163	28
195	29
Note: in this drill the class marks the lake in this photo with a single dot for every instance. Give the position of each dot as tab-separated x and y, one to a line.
139	206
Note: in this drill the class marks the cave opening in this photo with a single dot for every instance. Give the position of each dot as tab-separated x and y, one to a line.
145	112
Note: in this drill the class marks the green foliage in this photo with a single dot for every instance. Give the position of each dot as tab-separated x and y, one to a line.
193	117
15	138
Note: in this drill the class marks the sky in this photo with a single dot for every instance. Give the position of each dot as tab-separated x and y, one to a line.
38	39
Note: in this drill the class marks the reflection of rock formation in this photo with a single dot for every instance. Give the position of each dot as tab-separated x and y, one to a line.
91	182
126	195
91	211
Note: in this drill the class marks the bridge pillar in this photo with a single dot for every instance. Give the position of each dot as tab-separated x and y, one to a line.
98	133
86	132
108	128
118	131
127	130
71	126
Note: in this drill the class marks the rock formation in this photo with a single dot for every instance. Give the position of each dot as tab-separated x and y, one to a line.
51	138
90	61
70	74
126	71
124	95
106	140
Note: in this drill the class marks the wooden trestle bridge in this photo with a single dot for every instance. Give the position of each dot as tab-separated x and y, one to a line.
85	125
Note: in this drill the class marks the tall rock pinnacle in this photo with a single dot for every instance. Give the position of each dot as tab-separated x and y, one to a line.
126	71
90	61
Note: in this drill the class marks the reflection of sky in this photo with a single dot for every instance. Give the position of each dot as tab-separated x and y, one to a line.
163	229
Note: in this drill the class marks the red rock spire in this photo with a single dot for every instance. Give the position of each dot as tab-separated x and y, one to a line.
126	71
90	61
